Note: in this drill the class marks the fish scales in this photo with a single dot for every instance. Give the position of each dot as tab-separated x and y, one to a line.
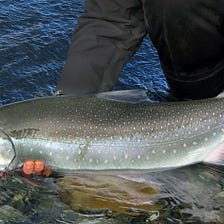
94	133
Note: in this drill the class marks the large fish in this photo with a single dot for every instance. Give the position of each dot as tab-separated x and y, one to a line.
100	133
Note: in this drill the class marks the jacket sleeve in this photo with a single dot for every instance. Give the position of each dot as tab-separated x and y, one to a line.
106	37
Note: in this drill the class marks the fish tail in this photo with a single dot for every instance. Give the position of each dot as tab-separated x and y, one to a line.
216	157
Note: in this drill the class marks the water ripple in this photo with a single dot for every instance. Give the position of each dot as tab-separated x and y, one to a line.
35	37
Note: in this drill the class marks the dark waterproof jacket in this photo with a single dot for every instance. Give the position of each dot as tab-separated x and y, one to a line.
188	35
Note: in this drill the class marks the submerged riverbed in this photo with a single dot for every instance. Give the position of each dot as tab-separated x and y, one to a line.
35	36
188	195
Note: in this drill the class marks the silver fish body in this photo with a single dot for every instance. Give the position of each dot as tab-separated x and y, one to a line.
93	133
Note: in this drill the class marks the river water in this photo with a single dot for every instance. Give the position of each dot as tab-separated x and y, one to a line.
35	36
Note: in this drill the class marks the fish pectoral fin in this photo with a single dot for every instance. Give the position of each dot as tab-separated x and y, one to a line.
216	157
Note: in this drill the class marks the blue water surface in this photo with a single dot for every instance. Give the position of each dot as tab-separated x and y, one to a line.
35	37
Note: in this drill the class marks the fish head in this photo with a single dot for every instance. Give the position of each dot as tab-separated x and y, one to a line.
7	151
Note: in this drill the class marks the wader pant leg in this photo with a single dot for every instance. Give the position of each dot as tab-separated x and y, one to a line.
189	38
106	37
204	88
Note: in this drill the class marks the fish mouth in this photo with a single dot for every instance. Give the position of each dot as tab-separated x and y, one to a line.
7	151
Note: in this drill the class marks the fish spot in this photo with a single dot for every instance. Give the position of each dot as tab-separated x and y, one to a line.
214	133
139	157
41	152
164	151
115	158
174	151
50	154
90	160
126	156
184	145
105	161
153	151
195	143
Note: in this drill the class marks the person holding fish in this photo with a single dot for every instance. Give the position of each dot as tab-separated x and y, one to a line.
188	35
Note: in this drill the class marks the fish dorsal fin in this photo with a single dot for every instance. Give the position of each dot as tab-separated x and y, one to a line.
221	95
126	96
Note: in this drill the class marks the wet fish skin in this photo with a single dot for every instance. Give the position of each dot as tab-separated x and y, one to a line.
94	133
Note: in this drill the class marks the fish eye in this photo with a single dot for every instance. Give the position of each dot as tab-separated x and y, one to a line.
7	151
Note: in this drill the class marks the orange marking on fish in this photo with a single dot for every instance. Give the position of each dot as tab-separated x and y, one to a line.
28	167
38	166
33	167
